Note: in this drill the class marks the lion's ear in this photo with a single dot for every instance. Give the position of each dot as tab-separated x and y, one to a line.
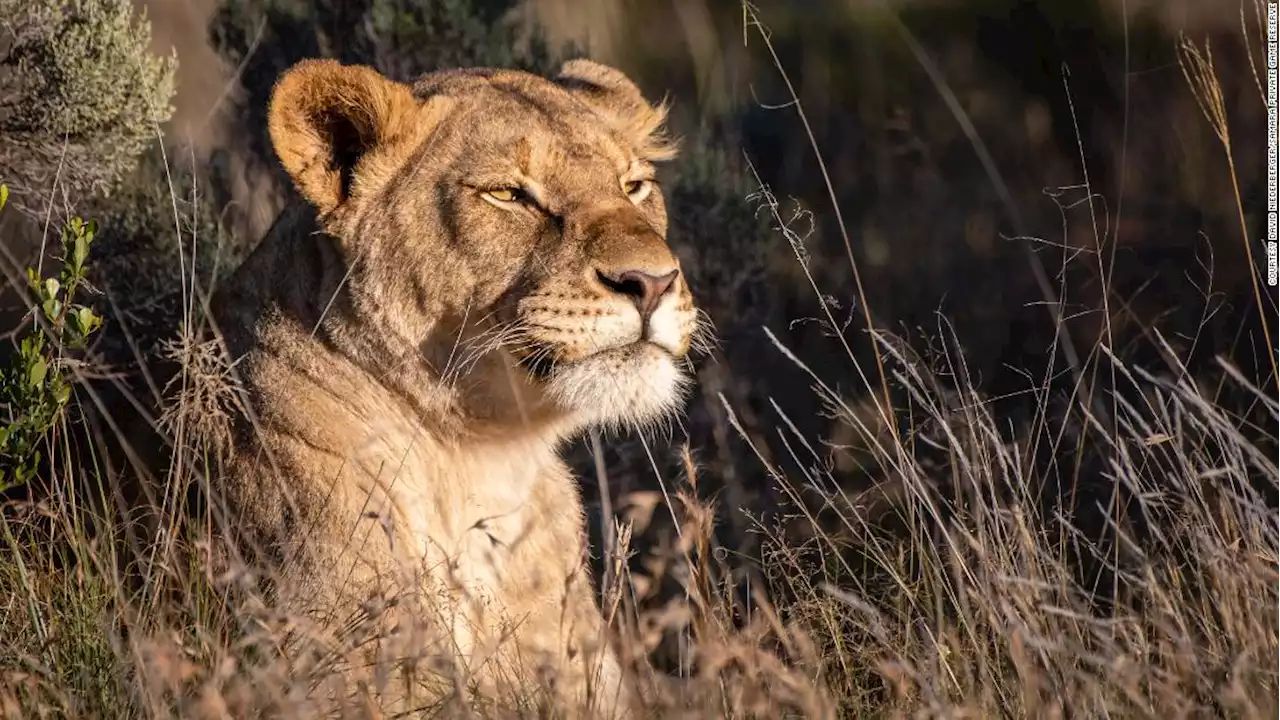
621	104
325	119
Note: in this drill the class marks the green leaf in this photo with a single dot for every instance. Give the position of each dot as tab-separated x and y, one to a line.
4	195
81	252
51	287
87	319
39	370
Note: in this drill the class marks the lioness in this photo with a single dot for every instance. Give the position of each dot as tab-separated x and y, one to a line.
479	271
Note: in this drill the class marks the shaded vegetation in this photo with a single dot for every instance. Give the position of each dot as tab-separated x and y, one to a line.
81	97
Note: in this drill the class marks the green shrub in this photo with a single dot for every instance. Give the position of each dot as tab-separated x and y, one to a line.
80	96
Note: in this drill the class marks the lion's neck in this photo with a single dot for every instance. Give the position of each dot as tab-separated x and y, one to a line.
466	399
399	405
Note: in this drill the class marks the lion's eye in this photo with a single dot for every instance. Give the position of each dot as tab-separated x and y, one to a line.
637	190
504	195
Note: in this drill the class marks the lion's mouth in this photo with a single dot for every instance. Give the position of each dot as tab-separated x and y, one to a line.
542	365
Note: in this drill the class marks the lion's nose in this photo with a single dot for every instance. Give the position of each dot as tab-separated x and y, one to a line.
643	289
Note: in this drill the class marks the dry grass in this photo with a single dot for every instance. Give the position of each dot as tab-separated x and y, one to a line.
963	584
972	605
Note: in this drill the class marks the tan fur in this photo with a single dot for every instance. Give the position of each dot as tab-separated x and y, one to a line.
414	352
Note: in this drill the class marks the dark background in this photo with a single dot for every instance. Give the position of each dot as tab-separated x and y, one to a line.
1072	99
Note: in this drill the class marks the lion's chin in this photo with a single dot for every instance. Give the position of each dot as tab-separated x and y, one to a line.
630	386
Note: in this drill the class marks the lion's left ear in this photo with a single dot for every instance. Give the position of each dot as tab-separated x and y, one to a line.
621	104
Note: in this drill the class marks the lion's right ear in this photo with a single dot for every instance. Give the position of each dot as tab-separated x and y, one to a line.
620	103
329	123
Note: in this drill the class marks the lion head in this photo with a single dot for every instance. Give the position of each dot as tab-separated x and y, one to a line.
517	213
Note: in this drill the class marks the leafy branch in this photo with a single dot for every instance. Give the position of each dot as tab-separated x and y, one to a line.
36	387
